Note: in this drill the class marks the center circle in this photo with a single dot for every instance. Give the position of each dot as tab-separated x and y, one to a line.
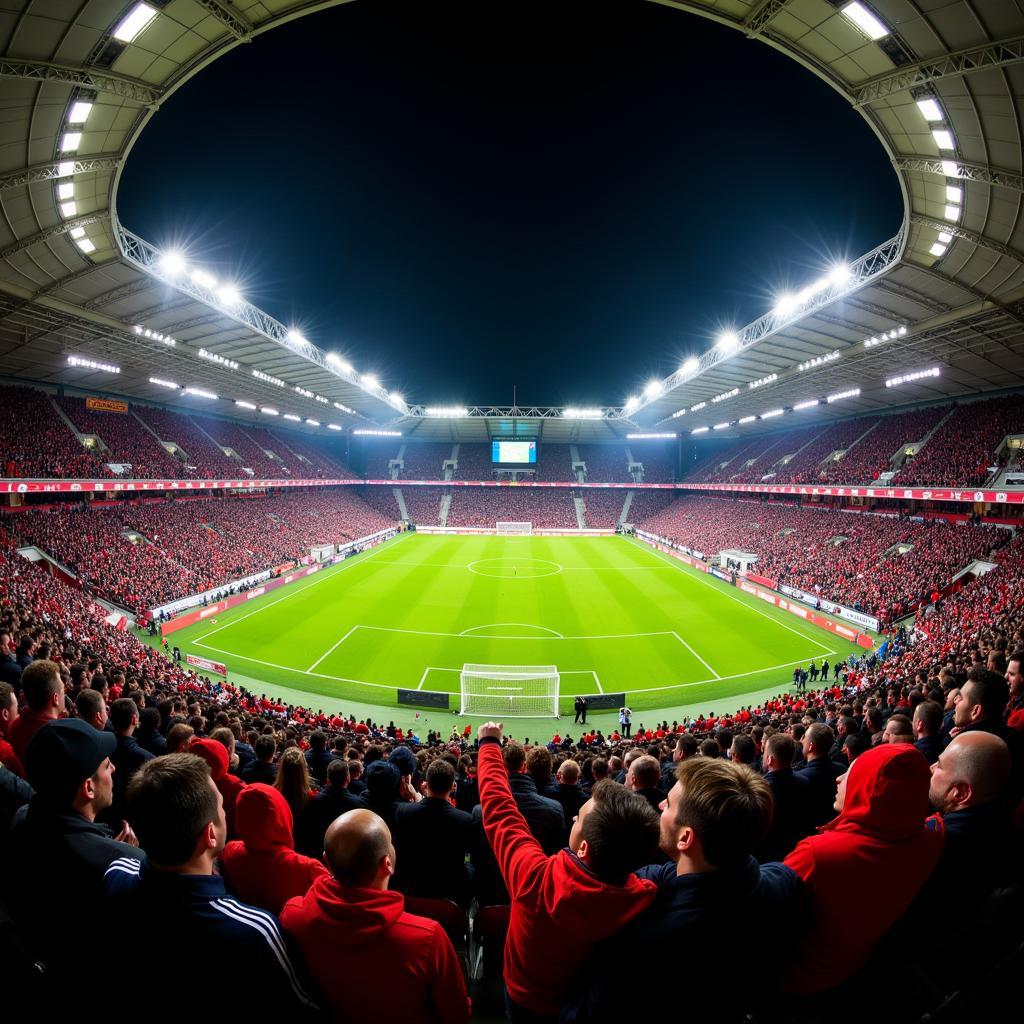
514	568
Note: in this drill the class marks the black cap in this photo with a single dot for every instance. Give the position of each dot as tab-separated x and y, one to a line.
63	754
404	760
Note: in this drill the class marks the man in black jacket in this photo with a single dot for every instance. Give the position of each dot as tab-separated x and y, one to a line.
542	814
58	850
433	838
927	723
318	757
820	773
644	778
128	756
791	809
331	802
263	768
568	793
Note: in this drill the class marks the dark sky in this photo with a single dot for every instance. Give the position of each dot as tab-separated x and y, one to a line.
562	195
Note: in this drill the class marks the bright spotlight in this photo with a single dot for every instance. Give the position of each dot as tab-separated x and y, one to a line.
370	380
690	366
632	402
203	279
727	341
229	295
785	304
653	388
172	263
840	274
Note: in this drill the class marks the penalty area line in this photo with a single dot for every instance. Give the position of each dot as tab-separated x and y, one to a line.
696	655
333	648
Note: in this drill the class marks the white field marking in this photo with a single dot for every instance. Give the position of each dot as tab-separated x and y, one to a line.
529	625
427	632
600	688
696	655
332	648
321	577
571	672
423	678
675	563
524	558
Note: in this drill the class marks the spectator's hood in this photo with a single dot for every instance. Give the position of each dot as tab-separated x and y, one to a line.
263	818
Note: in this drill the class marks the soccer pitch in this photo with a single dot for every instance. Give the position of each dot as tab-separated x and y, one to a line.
613	615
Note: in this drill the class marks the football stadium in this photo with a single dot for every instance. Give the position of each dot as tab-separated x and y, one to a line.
352	692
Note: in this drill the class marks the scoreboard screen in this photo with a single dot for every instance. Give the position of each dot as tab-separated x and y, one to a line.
514	451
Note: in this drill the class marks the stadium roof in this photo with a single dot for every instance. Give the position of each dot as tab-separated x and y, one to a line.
940	89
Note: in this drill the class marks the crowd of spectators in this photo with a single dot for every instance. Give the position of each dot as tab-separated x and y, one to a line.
423	504
251	455
190	545
606	463
659	462
425	461
484	506
202	456
128	441
603	508
474	462
849	558
964	448
807	463
36	442
554	462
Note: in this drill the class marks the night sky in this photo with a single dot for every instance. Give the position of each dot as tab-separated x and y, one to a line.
459	197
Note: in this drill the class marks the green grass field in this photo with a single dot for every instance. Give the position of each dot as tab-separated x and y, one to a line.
611	613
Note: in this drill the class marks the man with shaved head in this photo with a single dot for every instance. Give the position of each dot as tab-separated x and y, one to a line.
360	944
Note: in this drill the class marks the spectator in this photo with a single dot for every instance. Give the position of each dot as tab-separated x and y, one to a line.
263	768
179	738
382	782
148	733
980	704
713	818
644	778
686	746
791	806
356	783
8	715
881	844
92	709
128	755
262	867
350	920
898	730
819	772
293	781
434	838
331	802
927	723
179	814
58	850
44	695
318	757
15	793
568	792
230	786
562	904
1015	687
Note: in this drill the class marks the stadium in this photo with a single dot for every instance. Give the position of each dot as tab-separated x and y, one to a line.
758	621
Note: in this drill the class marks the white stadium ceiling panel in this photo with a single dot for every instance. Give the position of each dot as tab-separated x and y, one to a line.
942	88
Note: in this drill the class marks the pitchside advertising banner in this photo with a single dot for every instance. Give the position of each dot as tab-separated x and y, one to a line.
205	663
816	601
423	699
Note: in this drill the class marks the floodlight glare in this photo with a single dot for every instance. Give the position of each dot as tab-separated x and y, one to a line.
950	168
172	263
727	341
839	274
699	430
632	402
653	388
78	232
68	209
65	167
571	413
203	279
785	304
244	405
943	139
929	109
867	21
296	337
79	112
70	142
65	190
229	296
805	405
945	237
690	366
161	383
772	413
334	426
952	213
134	22
370	380
396	398
721	426
954	194
291	416
338	363
746	419
267	410
85	245
312	422
200	393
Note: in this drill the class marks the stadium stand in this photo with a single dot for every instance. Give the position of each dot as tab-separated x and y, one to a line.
315	460
201	454
377	459
423	504
554	462
425	461
603	508
474	462
126	438
806	464
250	453
658	463
483	507
606	463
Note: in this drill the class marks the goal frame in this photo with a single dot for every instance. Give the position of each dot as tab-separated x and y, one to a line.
508	682
512	529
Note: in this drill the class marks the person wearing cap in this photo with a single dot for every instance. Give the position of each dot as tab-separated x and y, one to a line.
382	782
405	761
58	850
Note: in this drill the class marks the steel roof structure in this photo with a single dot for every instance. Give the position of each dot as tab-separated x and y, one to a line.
946	292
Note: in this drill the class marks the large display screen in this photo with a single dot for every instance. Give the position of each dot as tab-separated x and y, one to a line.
513	451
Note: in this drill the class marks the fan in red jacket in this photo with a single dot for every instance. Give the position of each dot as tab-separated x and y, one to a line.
371	959
564	904
216	756
882	843
262	867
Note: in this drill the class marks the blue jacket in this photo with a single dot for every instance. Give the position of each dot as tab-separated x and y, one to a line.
820	776
682	937
243	968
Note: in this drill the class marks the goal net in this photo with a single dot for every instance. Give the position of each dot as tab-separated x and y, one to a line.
514	528
509	690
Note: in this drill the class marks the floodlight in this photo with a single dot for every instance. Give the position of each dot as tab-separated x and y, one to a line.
690	366
805	405
65	190
269	411
721	426
68	209
699	430
296	337
200	393
571	413
785	304
65	167
903	329
653	389
92	364
950	168
203	279
953	213
85	245
79	112
370	380
312	423
840	395
930	109
938	249
727	341
172	263
396	398
134	22
907	378
229	296
954	194
945	237
772	413
867	21
70	142
77	232
291	416
334	426
160	382
244	405
632	402
746	419
839	274
943	138
338	363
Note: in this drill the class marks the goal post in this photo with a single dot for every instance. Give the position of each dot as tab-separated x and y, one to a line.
514	529
515	691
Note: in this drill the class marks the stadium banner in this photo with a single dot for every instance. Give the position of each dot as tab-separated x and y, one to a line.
214	594
205	663
763	581
106	405
808	616
605	701
727	577
423	699
479	531
819	603
965	495
664	545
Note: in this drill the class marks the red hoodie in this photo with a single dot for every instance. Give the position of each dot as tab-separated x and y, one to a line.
559	908
372	960
864	867
263	867
216	756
